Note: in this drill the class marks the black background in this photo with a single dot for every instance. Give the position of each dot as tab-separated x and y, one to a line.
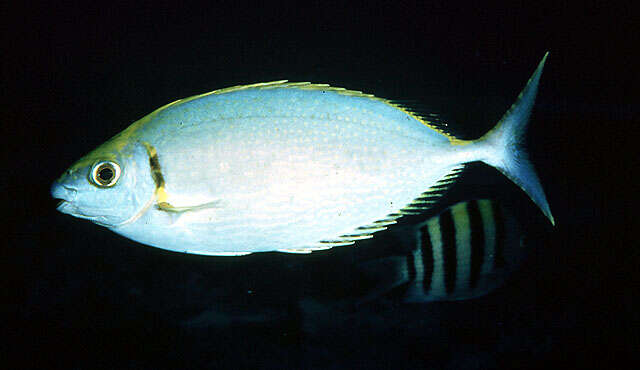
75	295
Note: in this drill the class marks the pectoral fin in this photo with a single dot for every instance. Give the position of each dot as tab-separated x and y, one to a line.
167	207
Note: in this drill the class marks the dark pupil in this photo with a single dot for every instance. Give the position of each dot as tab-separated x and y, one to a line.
105	174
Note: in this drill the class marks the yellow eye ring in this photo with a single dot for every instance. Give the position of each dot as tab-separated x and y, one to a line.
105	174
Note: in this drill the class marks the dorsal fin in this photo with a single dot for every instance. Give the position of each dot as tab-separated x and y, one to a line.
428	119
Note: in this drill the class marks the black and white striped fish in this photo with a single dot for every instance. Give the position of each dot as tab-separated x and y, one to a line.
466	251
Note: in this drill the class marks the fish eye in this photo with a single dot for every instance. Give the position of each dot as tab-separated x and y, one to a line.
105	174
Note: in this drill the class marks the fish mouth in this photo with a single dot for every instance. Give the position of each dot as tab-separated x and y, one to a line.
61	204
63	196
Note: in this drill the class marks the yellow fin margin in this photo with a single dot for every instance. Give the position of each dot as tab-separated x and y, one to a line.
285	84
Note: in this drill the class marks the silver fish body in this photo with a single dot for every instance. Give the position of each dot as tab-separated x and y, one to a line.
278	166
298	168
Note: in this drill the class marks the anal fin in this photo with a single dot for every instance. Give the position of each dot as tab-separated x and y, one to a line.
418	206
430	197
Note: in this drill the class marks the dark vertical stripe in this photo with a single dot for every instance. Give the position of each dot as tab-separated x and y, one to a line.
154	163
448	232
500	235
477	242
411	267
427	259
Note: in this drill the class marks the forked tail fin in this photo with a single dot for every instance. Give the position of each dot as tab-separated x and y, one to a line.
506	139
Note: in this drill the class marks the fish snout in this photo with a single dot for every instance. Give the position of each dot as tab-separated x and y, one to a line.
64	193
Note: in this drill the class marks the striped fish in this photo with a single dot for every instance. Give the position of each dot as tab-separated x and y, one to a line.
466	251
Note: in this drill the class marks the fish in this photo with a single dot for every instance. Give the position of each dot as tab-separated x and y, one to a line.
466	251
283	166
